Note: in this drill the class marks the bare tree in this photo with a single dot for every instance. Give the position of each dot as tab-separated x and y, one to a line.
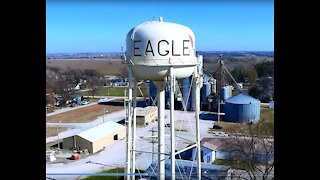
50	100
94	80
254	153
251	75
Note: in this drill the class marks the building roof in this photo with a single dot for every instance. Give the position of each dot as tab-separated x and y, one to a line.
215	144
100	131
145	111
242	99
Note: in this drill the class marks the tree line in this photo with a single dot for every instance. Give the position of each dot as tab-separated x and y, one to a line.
63	82
260	76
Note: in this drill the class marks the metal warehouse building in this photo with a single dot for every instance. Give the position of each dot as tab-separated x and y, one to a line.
146	115
96	138
242	108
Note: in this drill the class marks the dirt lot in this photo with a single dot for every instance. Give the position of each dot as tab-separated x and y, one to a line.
52	131
109	67
83	115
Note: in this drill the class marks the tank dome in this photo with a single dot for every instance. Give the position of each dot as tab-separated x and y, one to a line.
155	46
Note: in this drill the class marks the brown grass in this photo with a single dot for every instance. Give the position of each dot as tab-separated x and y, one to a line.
265	124
52	131
83	115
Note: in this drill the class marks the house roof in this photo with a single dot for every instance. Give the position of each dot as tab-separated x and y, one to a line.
100	131
215	144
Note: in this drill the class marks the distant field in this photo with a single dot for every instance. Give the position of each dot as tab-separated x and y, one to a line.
212	64
106	67
115	66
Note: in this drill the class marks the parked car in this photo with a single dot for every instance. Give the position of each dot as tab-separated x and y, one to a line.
84	102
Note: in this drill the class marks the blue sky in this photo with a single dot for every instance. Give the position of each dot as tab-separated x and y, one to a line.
102	27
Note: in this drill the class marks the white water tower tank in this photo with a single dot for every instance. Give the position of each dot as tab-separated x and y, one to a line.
153	47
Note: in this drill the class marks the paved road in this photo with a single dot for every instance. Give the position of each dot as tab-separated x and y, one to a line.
69	109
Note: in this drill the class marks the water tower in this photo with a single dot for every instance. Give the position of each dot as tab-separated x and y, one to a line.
161	52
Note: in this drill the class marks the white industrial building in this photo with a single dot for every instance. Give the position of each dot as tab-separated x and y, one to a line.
96	138
146	115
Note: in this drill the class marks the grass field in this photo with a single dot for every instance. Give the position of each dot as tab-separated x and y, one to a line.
106	91
266	124
50	109
53	131
117	170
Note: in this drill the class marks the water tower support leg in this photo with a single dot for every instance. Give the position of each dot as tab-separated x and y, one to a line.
129	120
161	147
172	87
134	122
197	104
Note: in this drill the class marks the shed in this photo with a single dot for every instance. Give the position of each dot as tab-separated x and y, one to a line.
146	115
96	138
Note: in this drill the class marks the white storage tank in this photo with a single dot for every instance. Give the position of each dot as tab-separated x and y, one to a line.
153	47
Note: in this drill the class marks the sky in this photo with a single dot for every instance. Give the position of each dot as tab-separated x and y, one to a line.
96	26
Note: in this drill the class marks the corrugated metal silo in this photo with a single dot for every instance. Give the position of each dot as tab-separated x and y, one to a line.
214	86
224	93
152	92
205	91
186	83
230	88
242	108
167	97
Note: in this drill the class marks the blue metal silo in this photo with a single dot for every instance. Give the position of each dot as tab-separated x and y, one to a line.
167	97
152	93
224	93
186	83
242	108
205	91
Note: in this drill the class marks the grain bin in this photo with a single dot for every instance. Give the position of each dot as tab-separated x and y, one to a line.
242	108
187	93
205	91
224	93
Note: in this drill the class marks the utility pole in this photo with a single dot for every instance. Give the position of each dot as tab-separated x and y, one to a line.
152	136
220	86
104	112
58	135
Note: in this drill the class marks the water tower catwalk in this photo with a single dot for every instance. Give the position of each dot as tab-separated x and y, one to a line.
162	52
